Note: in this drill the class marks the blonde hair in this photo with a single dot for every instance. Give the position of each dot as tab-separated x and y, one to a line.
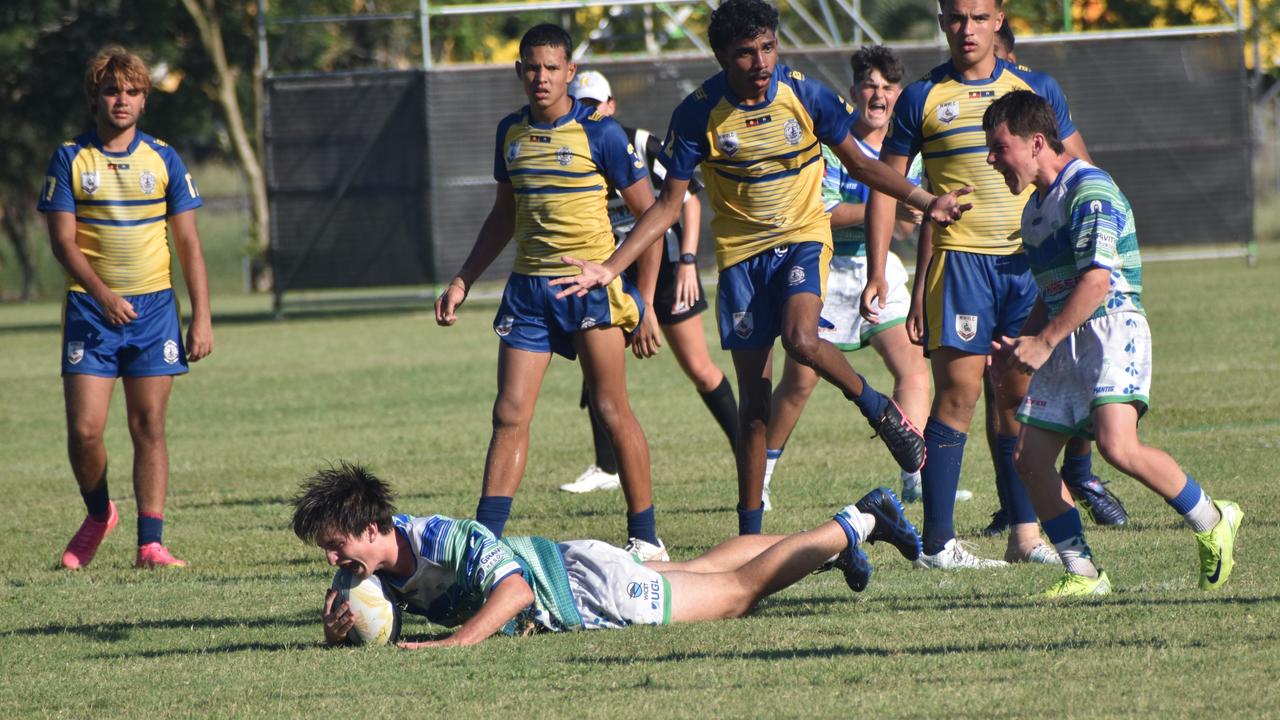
119	64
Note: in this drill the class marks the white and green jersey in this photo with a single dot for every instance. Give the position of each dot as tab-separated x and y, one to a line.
1083	222
459	562
839	186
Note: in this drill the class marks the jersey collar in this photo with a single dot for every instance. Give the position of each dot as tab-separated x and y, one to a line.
97	143
1062	174
565	119
999	69
770	94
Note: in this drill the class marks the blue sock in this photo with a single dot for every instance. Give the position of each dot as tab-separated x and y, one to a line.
492	512
1187	499
939	480
98	500
1077	469
749	521
150	528
1018	502
1064	527
773	454
870	402
641	526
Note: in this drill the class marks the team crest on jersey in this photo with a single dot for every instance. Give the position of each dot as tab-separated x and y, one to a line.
796	276
89	182
564	155
966	327
75	352
948	111
147	181
791	131
504	325
513	151
743	324
728	143
170	351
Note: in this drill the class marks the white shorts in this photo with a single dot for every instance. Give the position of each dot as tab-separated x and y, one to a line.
844	326
611	589
1106	360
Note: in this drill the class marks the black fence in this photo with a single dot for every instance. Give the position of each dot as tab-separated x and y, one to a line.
379	180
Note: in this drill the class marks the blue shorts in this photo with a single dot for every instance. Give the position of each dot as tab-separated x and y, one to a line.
972	299
531	318
149	345
752	293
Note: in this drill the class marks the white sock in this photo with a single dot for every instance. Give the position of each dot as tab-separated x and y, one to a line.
1204	516
1076	557
862	523
771	458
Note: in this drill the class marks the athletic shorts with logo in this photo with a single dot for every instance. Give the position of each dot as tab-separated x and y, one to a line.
665	307
1105	360
752	293
611	590
972	299
841	322
531	318
149	345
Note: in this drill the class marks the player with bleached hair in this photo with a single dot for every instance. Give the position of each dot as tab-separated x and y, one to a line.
1087	343
457	574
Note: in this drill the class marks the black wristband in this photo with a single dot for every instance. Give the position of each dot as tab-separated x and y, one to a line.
688	259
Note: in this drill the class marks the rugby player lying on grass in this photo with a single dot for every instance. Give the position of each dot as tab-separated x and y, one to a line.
457	574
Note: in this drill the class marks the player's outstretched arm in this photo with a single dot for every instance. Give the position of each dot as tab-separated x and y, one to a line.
944	209
62	239
186	241
494	235
1028	353
652	225
508	599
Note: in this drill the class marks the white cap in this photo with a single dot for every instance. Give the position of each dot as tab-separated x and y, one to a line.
590	85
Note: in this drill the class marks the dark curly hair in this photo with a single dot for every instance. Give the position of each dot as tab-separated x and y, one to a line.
738	20
343	499
876	57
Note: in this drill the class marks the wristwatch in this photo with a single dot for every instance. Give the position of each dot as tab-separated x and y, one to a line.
688	259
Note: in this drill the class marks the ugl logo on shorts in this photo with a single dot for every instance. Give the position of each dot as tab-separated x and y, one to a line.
75	352
967	327
743	324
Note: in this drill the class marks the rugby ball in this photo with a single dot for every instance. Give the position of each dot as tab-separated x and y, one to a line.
377	617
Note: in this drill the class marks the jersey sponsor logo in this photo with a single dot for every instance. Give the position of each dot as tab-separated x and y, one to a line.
796	276
117	166
634	590
791	131
981	94
728	143
513	151
75	352
170	351
540	138
743	324
89	182
948	111
650	591
966	327
504	325
147	182
1103	388
490	560
752	122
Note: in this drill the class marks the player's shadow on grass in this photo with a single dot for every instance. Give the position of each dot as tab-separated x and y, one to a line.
120	631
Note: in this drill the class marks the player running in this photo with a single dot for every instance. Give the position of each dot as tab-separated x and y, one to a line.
553	160
757	127
877	80
457	574
977	286
109	197
1087	343
676	289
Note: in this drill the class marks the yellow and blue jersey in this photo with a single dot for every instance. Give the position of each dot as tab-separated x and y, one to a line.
121	201
940	117
763	163
560	173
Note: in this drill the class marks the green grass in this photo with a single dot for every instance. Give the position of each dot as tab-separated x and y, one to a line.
237	634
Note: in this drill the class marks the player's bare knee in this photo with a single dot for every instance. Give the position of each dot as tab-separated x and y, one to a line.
802	346
146	427
509	416
83	435
1118	452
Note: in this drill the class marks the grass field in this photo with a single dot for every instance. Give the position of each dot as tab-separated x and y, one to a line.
237	633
